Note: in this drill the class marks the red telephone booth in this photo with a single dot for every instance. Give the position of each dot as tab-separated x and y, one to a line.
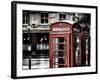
86	46
77	44
60	45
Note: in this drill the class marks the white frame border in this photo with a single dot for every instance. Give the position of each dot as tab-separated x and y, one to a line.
43	72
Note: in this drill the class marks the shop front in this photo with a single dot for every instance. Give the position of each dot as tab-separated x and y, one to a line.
63	45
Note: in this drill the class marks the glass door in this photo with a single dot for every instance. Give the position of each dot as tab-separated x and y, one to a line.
60	52
77	50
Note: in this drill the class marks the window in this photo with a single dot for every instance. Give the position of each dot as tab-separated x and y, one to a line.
44	18
77	43
87	51
25	17
62	16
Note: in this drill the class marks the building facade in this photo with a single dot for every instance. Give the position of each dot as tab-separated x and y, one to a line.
55	39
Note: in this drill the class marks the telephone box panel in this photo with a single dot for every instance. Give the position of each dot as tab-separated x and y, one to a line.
60	45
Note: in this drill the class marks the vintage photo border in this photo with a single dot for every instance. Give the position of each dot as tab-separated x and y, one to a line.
14	38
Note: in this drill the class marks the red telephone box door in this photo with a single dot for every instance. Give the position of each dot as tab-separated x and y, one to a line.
59	53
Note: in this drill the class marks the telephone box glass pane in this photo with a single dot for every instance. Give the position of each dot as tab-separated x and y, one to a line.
59	51
77	45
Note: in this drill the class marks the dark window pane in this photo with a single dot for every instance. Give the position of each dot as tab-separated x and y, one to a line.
46	20
42	20
42	15
26	21
61	61
60	16
64	16
23	21
60	39
46	15
61	46
60	54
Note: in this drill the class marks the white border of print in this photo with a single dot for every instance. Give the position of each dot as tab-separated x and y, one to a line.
20	72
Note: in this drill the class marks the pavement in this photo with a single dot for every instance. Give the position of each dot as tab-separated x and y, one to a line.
40	63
